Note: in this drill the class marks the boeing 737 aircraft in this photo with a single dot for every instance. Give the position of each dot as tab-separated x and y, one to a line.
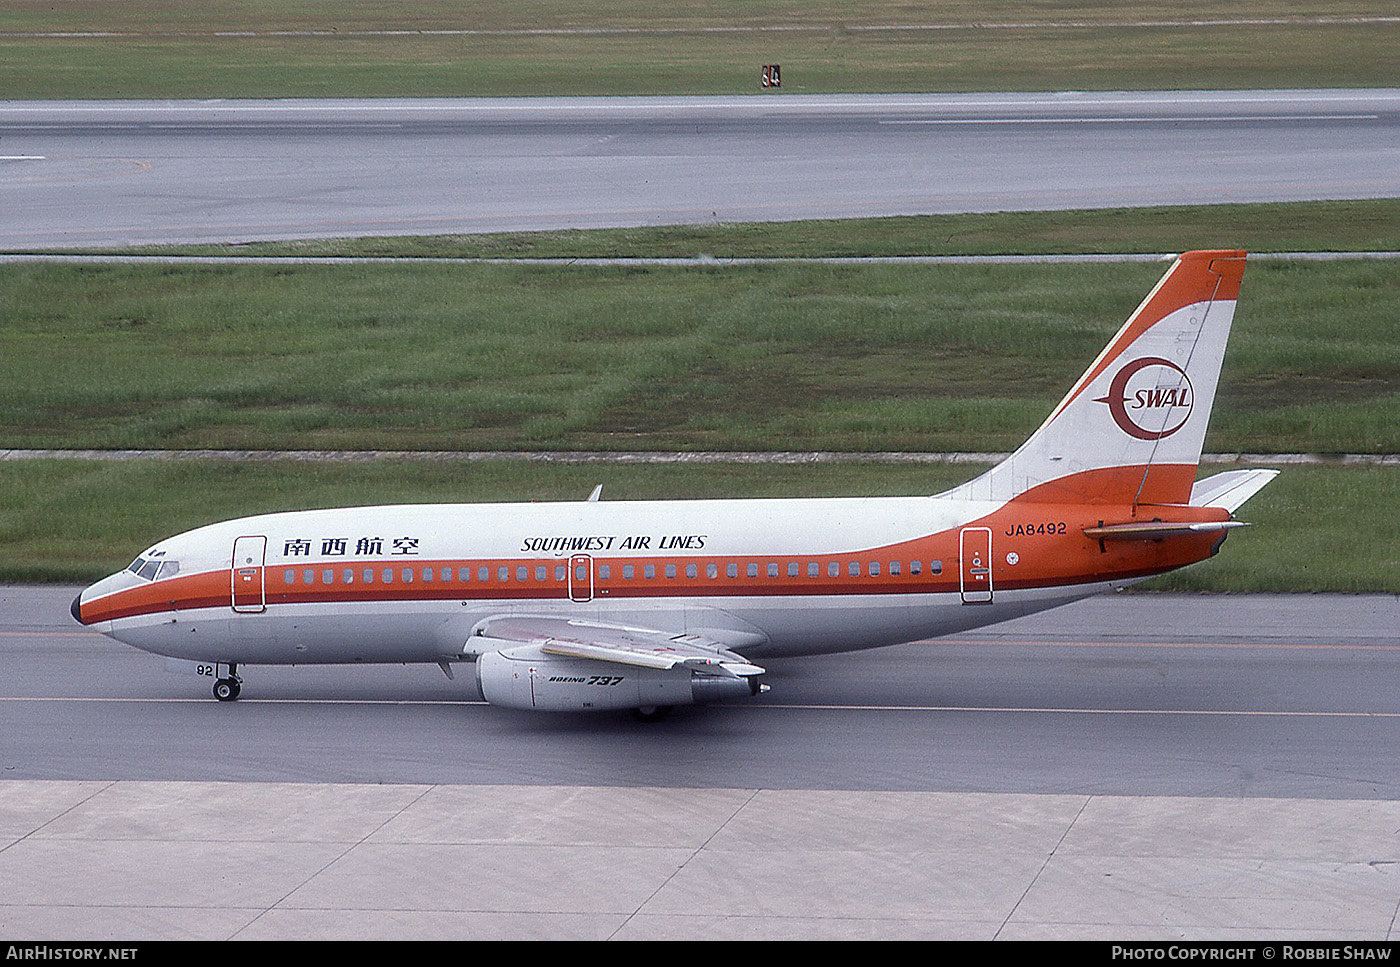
647	605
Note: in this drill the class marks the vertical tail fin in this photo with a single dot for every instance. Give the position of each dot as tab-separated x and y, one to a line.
1132	428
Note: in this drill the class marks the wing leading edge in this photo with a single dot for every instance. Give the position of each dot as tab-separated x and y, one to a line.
621	644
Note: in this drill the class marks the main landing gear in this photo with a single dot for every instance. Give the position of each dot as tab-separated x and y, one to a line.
228	689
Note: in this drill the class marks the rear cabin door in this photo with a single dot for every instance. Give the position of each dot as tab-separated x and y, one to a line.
248	586
975	564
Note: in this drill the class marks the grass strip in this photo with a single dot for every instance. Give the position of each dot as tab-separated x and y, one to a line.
806	357
153	49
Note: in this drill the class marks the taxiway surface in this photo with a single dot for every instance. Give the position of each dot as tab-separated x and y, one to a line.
120	172
1278	696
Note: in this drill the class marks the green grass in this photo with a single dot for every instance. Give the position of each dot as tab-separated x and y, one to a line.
862	358
354	15
1317	528
171	50
1325	226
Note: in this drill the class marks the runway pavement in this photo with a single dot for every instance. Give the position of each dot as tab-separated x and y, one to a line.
1134	766
117	172
1283	696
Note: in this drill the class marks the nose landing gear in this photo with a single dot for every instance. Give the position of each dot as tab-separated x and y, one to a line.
228	689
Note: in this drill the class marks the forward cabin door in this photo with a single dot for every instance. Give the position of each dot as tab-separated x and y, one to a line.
249	588
975	564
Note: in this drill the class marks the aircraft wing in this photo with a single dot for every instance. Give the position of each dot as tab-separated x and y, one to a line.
623	644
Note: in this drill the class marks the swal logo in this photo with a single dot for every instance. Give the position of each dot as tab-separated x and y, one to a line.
1150	398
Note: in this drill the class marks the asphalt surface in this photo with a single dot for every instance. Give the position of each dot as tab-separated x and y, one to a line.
1279	696
107	173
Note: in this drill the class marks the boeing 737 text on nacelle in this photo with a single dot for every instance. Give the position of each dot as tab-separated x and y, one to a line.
647	605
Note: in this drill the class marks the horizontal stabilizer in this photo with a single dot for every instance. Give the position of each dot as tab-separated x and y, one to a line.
1230	489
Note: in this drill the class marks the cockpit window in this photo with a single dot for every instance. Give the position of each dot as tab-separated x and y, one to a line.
154	569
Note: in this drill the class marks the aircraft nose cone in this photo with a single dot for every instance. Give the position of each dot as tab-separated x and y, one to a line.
77	609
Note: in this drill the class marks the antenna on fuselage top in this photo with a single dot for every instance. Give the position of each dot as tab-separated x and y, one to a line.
597	492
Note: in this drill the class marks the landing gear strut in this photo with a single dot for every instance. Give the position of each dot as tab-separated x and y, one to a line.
228	689
651	713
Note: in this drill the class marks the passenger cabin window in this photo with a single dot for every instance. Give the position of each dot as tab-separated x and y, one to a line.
935	567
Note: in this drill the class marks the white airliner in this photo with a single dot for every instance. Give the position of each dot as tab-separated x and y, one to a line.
646	605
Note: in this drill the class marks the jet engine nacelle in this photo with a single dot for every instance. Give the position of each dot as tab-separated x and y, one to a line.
527	678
